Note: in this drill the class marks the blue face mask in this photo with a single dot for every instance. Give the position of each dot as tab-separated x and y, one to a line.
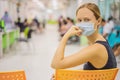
87	27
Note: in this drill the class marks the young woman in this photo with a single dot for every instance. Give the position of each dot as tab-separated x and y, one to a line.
97	56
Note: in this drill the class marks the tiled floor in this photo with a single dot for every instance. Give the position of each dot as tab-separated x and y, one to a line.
35	57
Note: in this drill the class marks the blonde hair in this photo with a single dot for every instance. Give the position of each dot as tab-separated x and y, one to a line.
93	7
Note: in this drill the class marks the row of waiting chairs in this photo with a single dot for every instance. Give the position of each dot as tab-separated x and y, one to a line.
62	74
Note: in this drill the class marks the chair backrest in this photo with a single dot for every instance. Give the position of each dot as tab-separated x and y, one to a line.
13	75
109	74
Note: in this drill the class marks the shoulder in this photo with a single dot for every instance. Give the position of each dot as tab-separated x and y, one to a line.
98	46
95	46
95	52
95	49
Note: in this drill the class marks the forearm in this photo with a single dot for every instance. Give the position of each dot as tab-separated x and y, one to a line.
59	54
58	59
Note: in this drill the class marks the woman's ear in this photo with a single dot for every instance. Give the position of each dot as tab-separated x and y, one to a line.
99	21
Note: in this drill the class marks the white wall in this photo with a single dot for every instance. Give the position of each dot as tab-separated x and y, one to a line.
68	11
3	7
71	10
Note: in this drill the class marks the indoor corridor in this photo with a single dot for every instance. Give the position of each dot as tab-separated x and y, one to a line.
36	60
35	57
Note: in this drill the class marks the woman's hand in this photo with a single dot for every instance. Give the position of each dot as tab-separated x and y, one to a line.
74	30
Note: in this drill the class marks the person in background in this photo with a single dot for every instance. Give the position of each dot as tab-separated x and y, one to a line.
37	23
25	23
92	56
66	24
111	22
69	23
63	28
6	18
20	25
60	20
28	29
108	28
8	21
23	28
74	38
29	36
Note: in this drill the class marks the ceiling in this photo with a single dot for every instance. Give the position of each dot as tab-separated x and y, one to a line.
42	8
43	4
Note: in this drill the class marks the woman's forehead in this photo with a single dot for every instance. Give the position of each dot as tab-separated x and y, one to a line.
84	13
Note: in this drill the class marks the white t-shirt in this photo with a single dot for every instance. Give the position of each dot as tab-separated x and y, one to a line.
108	27
111	24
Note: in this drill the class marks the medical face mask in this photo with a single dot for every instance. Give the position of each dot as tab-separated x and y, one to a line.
87	27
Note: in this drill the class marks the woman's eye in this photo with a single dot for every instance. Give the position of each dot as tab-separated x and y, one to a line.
79	20
86	20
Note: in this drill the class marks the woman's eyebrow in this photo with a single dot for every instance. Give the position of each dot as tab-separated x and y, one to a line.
79	18
86	17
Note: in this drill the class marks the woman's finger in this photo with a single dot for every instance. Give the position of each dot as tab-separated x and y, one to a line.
78	32
77	28
78	35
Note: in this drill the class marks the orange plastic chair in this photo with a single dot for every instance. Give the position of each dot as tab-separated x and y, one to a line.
108	74
13	75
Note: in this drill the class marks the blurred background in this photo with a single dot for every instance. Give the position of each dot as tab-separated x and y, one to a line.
30	31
